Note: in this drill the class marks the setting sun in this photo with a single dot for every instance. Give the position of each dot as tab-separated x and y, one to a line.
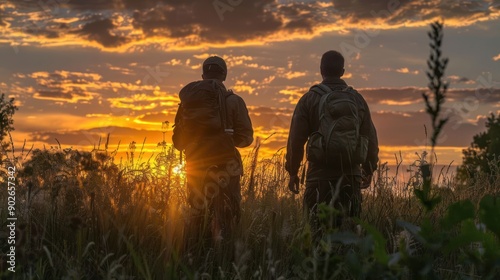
179	170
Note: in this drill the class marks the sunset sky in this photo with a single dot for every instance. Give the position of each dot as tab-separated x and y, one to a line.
79	70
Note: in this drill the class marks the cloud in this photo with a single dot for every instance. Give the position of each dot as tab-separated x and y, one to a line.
125	25
413	95
405	70
121	70
87	138
271	118
454	79
292	94
141	102
255	85
402	70
64	86
299	16
357	11
271	123
479	94
294	74
392	96
406	96
63	95
2	22
89	5
454	13
29	122
202	21
100	32
157	117
392	129
240	87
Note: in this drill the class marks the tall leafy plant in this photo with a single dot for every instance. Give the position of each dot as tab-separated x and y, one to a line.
433	103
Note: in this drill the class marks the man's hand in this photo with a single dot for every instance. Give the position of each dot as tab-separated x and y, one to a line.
366	181
293	184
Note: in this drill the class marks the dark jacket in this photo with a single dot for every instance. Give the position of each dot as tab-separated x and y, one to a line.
237	119
305	121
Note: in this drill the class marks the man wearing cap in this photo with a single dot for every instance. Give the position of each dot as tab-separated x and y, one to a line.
328	183
210	123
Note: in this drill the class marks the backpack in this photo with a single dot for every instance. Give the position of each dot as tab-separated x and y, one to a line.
202	122
337	142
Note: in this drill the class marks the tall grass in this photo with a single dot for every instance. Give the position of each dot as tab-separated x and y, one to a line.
82	216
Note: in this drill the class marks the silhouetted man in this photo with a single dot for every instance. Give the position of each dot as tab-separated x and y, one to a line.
210	123
342	145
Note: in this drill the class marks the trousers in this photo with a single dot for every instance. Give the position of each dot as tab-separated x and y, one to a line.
342	193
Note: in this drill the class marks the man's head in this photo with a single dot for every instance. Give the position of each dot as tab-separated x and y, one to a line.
332	65
214	67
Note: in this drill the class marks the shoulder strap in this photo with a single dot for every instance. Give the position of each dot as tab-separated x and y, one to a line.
223	94
228	93
325	88
320	89
324	91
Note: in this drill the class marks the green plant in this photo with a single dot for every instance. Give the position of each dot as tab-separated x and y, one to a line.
483	156
458	229
7	110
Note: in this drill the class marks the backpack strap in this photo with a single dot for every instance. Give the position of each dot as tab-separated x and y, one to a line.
325	91
223	94
322	89
227	129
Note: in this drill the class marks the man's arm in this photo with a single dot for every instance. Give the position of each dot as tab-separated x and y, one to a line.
242	125
177	136
299	132
368	129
